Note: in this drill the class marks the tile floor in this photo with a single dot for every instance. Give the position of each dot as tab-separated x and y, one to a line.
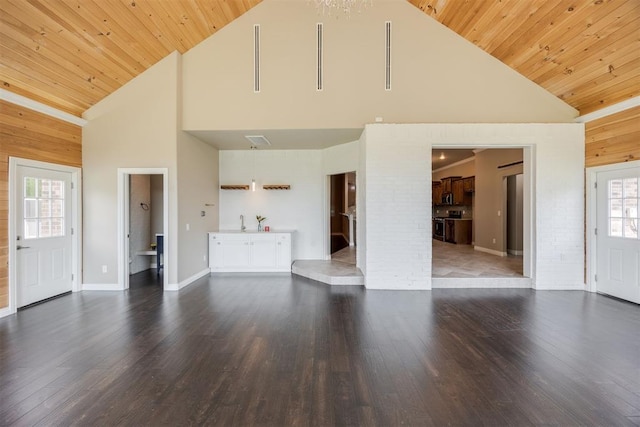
450	260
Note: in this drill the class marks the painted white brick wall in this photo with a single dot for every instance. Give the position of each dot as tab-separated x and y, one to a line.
398	175
398	198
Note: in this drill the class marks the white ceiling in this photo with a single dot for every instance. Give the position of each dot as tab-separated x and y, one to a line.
450	156
280	139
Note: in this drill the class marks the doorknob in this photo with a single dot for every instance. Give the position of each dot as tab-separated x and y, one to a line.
23	247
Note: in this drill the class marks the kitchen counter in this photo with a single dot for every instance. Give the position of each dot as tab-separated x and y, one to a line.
254	231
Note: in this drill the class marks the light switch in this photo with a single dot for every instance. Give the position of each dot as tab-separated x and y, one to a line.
188	227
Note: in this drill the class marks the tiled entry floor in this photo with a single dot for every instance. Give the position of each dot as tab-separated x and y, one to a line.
451	260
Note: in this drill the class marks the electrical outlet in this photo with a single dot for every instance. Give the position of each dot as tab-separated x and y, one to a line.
204	258
104	269
188	227
499	212
494	240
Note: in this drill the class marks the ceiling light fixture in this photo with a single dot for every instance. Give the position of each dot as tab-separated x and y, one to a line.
334	7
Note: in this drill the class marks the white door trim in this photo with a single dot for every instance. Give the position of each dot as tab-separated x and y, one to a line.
76	224
592	217
123	221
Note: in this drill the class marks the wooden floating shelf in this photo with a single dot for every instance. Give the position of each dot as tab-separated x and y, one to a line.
234	187
277	187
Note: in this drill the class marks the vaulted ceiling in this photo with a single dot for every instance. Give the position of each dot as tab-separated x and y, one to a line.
70	54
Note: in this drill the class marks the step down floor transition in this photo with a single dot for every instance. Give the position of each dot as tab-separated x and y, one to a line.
330	272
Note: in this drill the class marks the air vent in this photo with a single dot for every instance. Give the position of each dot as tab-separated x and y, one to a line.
256	58
387	56
258	140
319	57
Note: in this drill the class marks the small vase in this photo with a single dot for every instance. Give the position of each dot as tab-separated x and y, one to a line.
259	226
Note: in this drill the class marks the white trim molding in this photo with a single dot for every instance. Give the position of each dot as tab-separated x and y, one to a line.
591	216
123	222
611	109
76	223
25	102
481	282
186	282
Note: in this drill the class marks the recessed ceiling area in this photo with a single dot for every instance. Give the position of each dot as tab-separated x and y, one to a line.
280	139
451	156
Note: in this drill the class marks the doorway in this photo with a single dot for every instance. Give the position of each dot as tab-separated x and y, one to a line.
146	233
44	212
342	217
143	206
479	225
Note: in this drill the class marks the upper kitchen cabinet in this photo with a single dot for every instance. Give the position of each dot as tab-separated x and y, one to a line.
447	184
460	197
436	193
469	184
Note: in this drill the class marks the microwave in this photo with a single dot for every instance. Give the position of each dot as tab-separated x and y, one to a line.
447	199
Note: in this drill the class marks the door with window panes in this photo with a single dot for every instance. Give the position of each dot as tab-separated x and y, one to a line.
43	233
617	239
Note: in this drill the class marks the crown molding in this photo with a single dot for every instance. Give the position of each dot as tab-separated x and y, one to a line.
25	102
458	163
611	109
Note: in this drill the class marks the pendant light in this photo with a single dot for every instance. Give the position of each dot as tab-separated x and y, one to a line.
253	168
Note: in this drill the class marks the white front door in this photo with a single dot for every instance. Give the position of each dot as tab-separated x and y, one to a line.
617	240
43	234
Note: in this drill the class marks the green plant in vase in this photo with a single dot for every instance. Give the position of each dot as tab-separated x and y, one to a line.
260	218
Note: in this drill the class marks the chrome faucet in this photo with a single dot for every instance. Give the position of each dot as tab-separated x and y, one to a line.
242	227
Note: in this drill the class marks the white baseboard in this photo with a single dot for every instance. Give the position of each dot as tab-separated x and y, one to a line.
5	312
101	287
187	281
480	282
489	251
515	252
579	287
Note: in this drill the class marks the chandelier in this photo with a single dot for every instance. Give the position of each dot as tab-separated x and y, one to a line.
334	7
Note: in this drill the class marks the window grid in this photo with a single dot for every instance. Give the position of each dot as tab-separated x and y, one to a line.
43	213
623	199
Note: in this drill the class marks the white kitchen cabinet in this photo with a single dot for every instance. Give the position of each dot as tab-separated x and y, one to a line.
250	251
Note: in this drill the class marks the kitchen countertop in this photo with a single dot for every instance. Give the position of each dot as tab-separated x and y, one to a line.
253	231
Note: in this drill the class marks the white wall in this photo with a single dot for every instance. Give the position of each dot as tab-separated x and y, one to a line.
398	208
197	188
157	212
398	253
140	222
134	127
300	209
437	76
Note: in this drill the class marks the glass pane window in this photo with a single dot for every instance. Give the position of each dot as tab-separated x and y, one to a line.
623	208
43	213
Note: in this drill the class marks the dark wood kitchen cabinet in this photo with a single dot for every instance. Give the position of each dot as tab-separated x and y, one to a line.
458	231
460	197
469	184
447	184
436	193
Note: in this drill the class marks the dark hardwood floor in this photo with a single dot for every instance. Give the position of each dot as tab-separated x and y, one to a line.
281	350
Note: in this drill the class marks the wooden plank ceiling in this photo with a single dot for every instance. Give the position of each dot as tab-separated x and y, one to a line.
70	54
